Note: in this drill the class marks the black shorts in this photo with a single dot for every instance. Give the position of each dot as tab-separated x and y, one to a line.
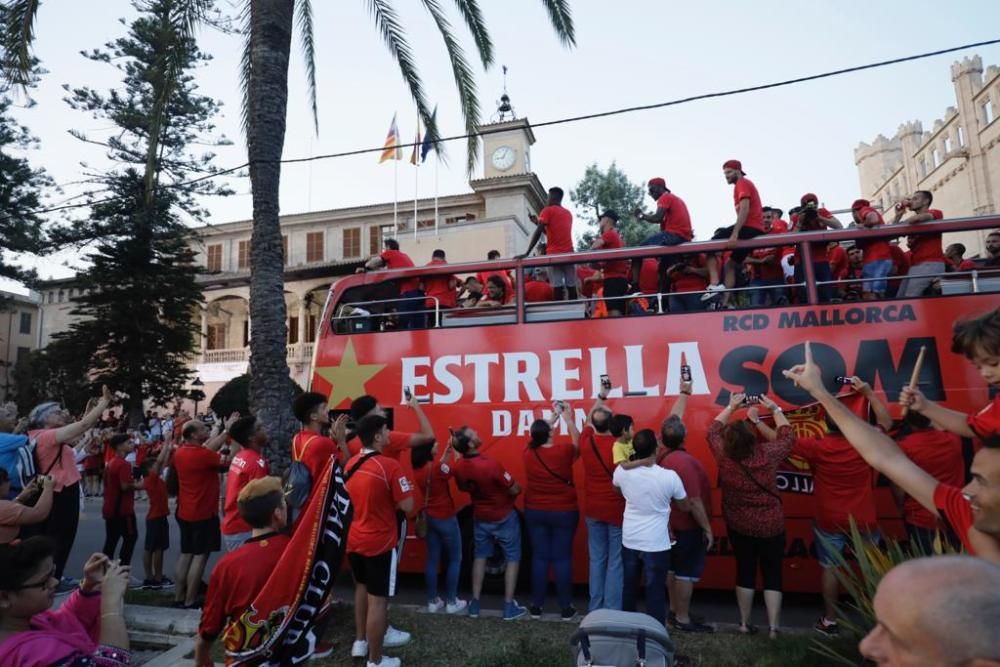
614	290
157	534
739	254
376	573
200	537
687	556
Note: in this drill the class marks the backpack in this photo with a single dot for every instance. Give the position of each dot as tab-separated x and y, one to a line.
17	457
298	486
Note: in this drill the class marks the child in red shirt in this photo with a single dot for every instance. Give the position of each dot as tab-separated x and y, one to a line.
157	528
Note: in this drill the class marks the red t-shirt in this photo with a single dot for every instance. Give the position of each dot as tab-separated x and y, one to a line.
437	498
484	276
536	291
558	223
399	442
544	490
986	423
237	579
649	276
117	502
617	268
769	270
397	259
198	478
487	482
900	260
156	489
677	219
928	247
601	501
440	287
314	450
817	250
689	282
376	490
779	227
696	484
957	511
245	467
843	483
940	454
878	249
745	189
587	288
837	257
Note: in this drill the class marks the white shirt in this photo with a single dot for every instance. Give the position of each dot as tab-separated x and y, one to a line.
648	491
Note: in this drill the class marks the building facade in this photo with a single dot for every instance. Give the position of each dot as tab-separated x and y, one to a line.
958	160
20	329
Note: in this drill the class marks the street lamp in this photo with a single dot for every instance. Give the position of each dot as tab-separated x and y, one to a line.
197	395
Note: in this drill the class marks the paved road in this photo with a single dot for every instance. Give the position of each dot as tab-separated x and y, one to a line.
799	610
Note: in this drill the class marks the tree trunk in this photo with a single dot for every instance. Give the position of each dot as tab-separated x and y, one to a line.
270	381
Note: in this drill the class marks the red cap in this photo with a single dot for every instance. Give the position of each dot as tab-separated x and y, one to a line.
733	164
808	197
658	182
860	203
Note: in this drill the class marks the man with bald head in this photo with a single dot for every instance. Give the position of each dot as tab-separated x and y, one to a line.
937	611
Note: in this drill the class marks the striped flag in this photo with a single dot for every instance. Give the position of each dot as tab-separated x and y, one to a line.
416	146
391	150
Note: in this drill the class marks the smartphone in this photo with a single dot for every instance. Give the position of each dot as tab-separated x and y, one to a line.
685	373
605	382
557	407
844	380
751	399
407	393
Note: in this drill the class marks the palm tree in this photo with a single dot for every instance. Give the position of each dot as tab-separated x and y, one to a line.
269	25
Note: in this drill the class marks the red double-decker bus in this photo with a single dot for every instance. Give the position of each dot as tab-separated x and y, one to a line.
499	369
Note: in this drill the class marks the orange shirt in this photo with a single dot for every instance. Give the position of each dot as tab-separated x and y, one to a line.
376	489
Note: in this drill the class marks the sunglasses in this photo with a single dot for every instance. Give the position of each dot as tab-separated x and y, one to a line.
40	585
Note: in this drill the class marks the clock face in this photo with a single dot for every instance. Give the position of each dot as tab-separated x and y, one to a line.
503	158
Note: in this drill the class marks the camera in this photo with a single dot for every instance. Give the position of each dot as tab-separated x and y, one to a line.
605	382
751	399
843	379
685	373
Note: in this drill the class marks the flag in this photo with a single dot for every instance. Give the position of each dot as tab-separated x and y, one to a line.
416	146
279	628
426	146
391	150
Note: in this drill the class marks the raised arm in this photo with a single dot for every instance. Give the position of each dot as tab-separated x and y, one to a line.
735	401
878	449
40	511
216	442
534	237
566	413
754	416
425	436
682	400
73	431
882	415
950	420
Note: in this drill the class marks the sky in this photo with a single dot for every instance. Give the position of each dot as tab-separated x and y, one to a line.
791	140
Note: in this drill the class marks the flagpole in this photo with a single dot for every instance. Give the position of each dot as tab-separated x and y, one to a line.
416	176
395	199
435	197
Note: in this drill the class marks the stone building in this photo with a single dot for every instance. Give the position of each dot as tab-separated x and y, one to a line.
19	334
958	160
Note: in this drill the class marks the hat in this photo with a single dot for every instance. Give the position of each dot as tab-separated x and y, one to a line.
658	182
860	203
808	197
610	213
733	164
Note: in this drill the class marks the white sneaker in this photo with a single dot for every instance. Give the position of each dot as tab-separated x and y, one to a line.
712	292
359	649
395	638
435	606
386	661
458	607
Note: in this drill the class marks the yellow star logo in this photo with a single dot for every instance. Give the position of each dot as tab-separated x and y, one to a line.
347	381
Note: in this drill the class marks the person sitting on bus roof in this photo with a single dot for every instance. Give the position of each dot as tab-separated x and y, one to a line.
813	218
410	302
673	218
778	226
442	289
992	259
764	265
837	257
537	288
471	292
878	259
557	224
688	278
483	276
955	258
496	294
616	271
851	288
927	261
749	224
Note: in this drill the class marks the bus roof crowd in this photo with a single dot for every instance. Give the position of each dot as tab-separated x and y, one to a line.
858	270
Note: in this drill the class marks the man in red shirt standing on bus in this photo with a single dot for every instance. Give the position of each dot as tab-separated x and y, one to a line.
615	271
878	257
442	289
493	491
557	223
378	487
411	302
246	466
197	464
926	253
749	224
675	225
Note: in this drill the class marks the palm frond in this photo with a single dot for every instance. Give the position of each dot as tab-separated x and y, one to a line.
18	33
469	9
246	65
388	25
465	81
562	20
304	17
187	15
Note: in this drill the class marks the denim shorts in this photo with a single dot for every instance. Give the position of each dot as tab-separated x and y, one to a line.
839	541
687	556
506	533
880	269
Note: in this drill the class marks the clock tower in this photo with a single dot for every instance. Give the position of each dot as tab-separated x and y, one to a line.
507	147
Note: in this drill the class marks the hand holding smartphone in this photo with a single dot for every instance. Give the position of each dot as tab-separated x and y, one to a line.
685	373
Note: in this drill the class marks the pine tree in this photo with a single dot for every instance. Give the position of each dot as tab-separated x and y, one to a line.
136	318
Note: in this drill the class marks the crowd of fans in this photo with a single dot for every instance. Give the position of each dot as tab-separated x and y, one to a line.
645	500
853	270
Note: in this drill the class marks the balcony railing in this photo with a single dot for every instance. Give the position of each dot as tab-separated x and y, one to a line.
299	352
